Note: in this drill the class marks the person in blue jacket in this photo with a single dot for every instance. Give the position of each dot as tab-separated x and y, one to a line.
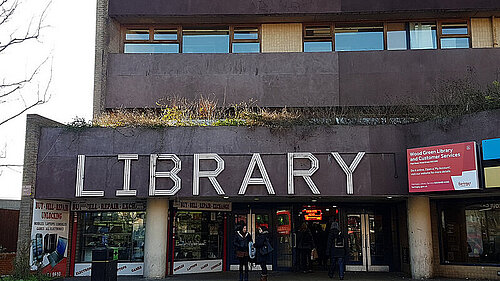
337	250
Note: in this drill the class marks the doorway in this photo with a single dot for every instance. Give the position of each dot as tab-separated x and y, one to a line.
366	242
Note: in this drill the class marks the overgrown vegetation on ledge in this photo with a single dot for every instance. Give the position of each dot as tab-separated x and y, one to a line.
451	99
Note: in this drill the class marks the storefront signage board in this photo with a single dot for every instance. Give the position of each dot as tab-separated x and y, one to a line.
491	149
49	237
202	266
203	205
134	268
103	206
491	162
443	168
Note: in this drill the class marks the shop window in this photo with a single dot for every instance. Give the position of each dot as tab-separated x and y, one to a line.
423	35
205	40
396	36
454	35
471	234
124	231
151	41
199	235
318	38
359	37
245	39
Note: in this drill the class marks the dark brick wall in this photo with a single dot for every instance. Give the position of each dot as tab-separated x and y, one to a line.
293	79
287	7
34	123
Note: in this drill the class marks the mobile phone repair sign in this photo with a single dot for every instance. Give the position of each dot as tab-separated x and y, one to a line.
443	168
49	237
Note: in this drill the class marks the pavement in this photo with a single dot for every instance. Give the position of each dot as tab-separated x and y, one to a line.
276	276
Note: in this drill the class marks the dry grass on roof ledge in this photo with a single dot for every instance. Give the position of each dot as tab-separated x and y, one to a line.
451	99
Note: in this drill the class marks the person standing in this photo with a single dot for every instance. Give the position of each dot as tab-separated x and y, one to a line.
241	240
336	249
262	242
305	244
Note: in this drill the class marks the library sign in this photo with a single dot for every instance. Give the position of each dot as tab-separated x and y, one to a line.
443	168
167	173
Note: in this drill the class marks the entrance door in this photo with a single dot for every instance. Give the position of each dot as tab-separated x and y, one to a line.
366	243
284	256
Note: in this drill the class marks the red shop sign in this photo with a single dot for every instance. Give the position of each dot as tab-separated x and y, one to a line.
443	168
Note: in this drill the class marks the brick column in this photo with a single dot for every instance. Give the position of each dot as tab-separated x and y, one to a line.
34	124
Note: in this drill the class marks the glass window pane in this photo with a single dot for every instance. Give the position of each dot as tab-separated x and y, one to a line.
246	47
246	33
359	38
318	32
396	36
151	48
454	43
165	34
454	28
423	35
324	46
205	40
137	34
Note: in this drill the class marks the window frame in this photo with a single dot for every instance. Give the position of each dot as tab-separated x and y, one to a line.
439	31
312	39
151	39
180	30
232	40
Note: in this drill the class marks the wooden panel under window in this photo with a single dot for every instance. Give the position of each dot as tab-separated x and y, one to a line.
496	32
482	33
282	37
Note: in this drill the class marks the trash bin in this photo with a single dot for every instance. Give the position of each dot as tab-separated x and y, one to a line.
104	264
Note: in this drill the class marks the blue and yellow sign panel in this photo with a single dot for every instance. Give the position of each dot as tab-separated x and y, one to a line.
491	162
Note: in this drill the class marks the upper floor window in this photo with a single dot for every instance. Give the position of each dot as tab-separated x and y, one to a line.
197	39
454	35
423	35
359	37
318	38
205	39
151	41
396	36
245	39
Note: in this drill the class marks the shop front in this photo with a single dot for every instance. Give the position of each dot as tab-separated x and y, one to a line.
199	236
119	225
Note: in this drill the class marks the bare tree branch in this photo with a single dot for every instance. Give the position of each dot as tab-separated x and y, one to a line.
12	89
42	98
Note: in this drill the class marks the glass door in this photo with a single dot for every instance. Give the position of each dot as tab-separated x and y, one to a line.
284	257
365	234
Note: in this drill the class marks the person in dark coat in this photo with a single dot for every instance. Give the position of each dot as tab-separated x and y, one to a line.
320	238
241	240
336	249
261	241
305	244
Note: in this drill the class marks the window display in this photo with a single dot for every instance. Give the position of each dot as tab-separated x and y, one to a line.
198	235
124	231
471	233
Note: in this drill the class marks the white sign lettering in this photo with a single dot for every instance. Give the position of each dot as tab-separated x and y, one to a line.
256	181
255	162
211	175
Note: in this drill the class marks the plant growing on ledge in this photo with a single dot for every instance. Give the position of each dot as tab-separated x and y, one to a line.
451	98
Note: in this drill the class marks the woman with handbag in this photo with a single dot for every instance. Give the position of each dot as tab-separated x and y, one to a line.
264	249
241	240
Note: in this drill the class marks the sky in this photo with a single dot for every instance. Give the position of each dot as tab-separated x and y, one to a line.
67	43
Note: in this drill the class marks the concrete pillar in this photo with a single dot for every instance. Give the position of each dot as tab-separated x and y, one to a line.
155	244
420	237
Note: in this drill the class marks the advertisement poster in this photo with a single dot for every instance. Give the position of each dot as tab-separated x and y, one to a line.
491	162
443	168
49	237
